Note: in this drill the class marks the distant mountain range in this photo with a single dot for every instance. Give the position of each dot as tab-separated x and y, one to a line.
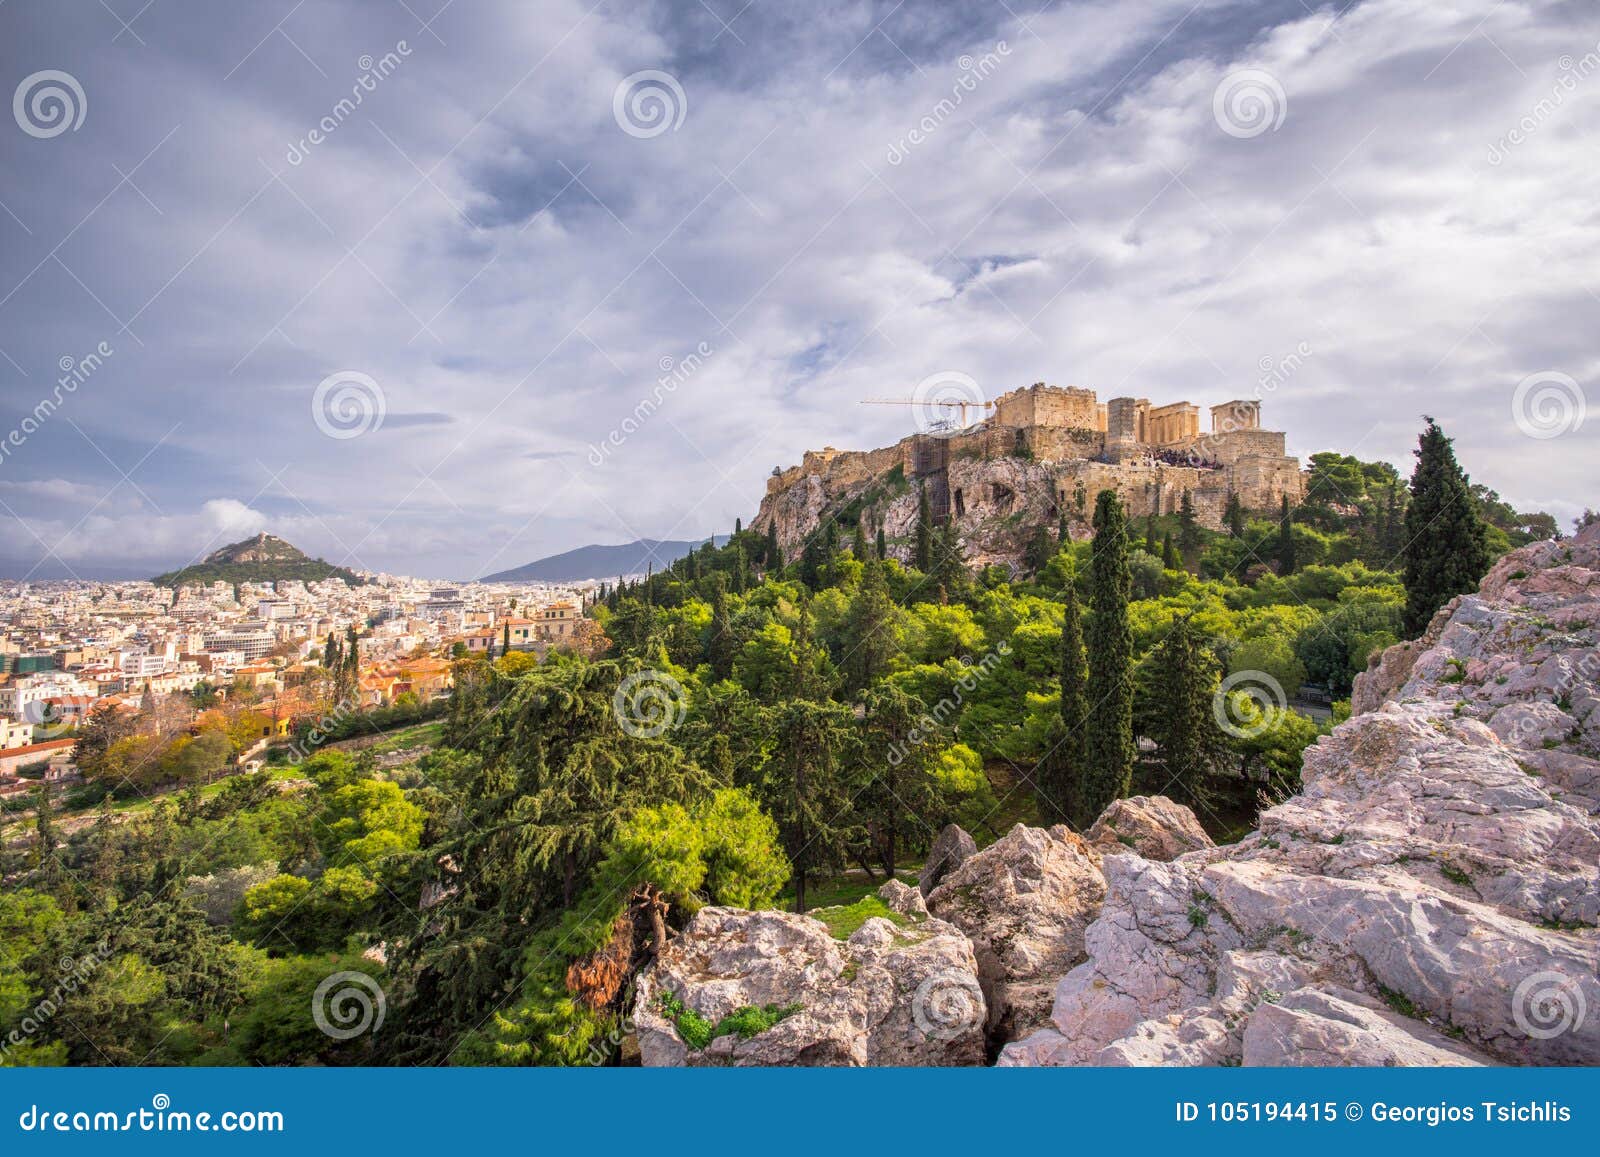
600	562
266	558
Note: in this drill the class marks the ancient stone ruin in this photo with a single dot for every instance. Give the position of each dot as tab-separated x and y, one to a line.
1042	451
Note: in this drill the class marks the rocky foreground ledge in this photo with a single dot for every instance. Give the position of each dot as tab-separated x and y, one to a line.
1431	897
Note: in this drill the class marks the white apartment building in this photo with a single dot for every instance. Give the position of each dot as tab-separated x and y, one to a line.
15	733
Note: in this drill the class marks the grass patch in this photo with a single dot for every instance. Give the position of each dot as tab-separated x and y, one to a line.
1400	1002
843	920
744	1022
1454	874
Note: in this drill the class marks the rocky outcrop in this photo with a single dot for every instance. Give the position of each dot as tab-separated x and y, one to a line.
1025	902
1431	897
1151	825
952	847
900	992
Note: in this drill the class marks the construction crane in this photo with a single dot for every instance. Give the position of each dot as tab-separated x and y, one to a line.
963	404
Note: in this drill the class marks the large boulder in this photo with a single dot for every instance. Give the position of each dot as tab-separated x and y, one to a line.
1431	897
897	992
1025	902
952	847
1154	826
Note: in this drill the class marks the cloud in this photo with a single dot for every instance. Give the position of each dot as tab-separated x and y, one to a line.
482	239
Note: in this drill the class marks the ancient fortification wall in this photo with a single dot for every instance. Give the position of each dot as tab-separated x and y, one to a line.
1038	445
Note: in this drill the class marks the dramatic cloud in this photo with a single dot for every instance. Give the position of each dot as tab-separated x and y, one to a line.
440	298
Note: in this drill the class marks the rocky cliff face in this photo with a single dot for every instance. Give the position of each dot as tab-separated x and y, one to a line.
996	504
1431	897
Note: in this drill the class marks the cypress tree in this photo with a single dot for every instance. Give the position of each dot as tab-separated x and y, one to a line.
858	545
1286	559
1170	559
1188	527
1446	549
1040	550
1233	515
1063	534
1109	748
723	645
1181	720
950	568
1058	774
1152	543
922	556
738	526
883	545
774	556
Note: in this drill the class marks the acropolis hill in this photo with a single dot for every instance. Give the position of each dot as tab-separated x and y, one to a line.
1041	451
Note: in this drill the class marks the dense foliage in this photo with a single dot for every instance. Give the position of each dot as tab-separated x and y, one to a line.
757	726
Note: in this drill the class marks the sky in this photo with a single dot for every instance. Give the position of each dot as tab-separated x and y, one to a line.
437	287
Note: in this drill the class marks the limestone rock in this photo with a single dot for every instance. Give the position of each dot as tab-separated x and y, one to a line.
1025	901
1346	1029
893	994
951	848
1154	826
1431	897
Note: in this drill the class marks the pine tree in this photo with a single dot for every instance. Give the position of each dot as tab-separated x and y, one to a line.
922	553
804	786
1233	515
899	766
1059	772
1109	749
1286	559
1446	549
1180	716
1170	559
870	629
